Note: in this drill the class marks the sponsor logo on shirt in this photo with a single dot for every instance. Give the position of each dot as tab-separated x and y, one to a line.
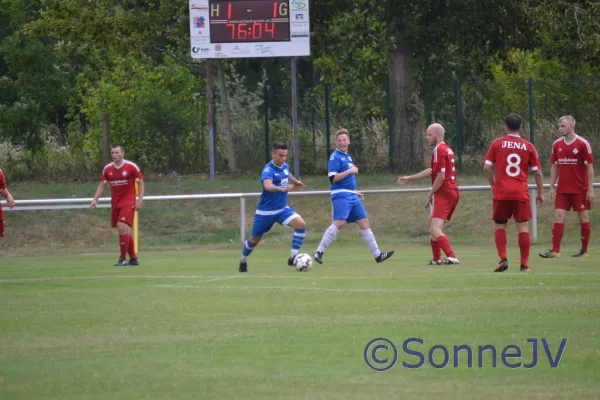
566	160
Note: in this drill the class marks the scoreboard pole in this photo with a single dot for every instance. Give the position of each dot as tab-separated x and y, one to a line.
211	128
250	28
295	122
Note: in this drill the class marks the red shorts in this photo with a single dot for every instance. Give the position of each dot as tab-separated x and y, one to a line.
507	209
444	204
121	214
566	201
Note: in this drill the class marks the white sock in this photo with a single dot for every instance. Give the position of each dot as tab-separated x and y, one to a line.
328	238
243	259
294	253
369	238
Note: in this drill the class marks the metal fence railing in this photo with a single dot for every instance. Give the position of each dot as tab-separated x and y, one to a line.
104	202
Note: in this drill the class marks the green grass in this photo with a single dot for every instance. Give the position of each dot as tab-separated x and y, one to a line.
186	325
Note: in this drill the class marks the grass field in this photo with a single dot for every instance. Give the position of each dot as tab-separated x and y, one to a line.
187	325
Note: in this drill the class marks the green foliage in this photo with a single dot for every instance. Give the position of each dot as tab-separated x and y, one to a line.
53	163
152	111
63	63
35	82
355	59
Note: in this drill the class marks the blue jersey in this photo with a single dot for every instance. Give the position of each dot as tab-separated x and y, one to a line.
272	202
340	162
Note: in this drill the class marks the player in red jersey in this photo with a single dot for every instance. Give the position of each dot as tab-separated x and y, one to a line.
10	201
122	176
571	159
513	156
443	195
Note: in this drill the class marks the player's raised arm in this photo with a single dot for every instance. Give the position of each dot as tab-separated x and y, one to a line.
296	182
336	177
405	179
270	187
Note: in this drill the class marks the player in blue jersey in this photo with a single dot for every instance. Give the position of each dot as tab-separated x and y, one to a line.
272	207
347	205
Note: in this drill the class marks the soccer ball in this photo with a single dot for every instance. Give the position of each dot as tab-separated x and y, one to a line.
303	262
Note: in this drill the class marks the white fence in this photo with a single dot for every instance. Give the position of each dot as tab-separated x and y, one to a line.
104	202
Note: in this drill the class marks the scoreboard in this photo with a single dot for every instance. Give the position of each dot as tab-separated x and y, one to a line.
249	28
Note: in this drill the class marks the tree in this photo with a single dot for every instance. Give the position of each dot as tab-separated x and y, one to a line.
425	43
231	162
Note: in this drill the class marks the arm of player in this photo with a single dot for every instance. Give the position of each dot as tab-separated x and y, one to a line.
489	174
10	201
437	184
269	187
405	179
97	195
140	200
590	176
297	182
539	181
341	175
553	177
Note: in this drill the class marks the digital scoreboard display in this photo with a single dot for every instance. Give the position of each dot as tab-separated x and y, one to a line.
249	28
249	21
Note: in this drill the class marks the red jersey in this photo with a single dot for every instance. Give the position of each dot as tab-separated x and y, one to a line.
513	157
572	160
122	182
442	160
2	181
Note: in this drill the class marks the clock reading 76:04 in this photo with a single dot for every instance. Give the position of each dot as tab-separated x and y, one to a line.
249	21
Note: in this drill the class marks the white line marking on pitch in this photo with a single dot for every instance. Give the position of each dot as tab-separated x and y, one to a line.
108	277
296	276
316	289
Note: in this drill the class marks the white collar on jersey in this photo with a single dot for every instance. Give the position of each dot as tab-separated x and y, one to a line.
572	141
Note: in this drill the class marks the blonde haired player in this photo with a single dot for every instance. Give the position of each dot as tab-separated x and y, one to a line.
571	159
347	205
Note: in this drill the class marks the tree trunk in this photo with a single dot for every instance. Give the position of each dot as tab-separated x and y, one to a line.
405	102
231	162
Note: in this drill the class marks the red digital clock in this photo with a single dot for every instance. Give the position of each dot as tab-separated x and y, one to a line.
234	21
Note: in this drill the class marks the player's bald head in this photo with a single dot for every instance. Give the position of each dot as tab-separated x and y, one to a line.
436	129
435	134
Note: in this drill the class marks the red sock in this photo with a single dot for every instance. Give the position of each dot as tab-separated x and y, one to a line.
435	250
131	249
124	244
444	244
524	245
586	232
500	237
558	230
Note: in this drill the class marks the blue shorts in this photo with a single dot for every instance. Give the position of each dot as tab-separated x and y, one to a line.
349	209
263	223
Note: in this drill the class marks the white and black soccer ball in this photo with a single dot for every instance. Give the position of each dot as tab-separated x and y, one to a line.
303	262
